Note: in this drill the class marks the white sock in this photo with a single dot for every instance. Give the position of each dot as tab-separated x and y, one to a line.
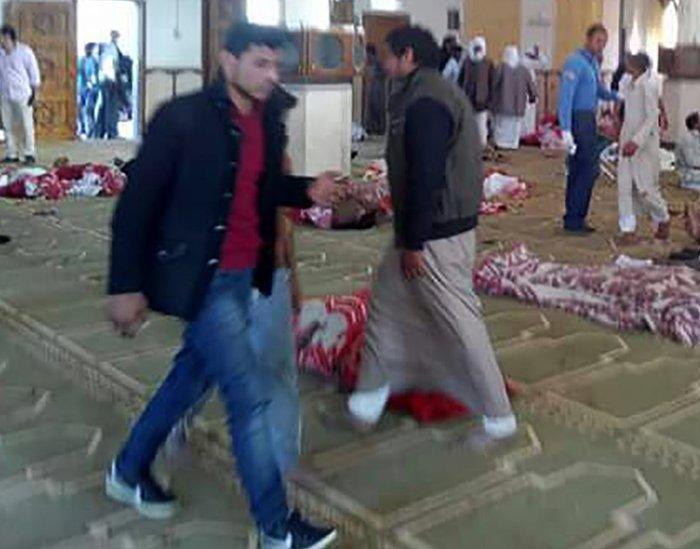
500	427
368	406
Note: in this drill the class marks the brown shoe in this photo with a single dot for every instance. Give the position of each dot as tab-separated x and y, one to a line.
663	231
628	239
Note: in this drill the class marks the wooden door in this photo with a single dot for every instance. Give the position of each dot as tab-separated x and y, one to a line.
219	15
378	26
49	28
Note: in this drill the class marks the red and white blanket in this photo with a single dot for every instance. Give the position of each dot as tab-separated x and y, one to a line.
330	336
371	196
69	180
661	299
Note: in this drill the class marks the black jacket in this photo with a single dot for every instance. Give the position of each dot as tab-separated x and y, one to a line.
170	222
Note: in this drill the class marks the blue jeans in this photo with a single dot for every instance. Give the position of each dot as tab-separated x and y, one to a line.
273	344
218	350
583	169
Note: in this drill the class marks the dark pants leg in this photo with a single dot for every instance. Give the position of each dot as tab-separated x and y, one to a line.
217	349
584	169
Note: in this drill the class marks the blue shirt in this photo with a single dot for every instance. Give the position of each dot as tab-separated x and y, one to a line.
581	87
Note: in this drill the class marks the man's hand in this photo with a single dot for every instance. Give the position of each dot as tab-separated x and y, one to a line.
295	288
569	143
629	149
128	313
412	264
325	191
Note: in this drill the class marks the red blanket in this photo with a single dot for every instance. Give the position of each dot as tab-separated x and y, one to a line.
330	336
61	182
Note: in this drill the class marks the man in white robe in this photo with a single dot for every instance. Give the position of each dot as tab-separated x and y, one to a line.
639	164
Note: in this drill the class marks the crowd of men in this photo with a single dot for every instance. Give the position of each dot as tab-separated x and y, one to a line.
105	85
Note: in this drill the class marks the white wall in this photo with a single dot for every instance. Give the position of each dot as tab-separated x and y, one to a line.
171	41
432	14
307	13
611	19
538	26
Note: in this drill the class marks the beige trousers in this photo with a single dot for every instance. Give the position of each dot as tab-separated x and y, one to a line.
638	189
428	334
482	122
18	121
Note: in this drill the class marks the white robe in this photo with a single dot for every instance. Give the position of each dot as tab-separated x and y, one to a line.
638	176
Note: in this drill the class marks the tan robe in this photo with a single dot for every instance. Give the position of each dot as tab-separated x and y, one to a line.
428	334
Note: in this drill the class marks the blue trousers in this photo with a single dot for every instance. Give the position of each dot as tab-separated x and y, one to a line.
583	169
218	351
273	344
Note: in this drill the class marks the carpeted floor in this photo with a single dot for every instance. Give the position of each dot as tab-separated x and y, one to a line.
608	454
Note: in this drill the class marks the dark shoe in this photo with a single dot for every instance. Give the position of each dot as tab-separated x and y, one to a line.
584	230
10	160
4	239
685	254
29	160
146	496
308	536
298	534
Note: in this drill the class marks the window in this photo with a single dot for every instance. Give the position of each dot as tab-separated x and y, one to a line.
453	22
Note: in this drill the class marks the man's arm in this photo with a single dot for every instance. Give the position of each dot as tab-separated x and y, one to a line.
605	94
651	114
32	67
569	81
136	212
428	131
531	88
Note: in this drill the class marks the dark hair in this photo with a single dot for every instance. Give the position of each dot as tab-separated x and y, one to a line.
371	49
693	120
7	30
426	51
90	47
596	28
639	60
243	35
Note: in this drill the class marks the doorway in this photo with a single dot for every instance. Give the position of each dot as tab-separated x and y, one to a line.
109	46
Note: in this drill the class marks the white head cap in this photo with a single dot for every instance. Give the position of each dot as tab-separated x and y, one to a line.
511	57
477	49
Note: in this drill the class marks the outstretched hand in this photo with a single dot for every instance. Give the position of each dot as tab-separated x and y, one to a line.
326	190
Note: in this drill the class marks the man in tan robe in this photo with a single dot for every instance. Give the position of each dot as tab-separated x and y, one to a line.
425	330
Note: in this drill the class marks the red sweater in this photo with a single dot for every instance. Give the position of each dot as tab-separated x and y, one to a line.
242	241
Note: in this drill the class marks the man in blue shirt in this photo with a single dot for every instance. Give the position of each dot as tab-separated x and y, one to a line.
581	89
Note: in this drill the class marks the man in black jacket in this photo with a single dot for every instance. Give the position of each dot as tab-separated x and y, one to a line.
193	233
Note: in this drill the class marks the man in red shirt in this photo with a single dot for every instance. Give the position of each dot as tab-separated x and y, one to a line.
193	234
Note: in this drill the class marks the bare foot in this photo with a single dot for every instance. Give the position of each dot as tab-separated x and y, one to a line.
663	231
629	239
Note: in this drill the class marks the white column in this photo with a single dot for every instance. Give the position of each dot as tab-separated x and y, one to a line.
681	94
689	22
